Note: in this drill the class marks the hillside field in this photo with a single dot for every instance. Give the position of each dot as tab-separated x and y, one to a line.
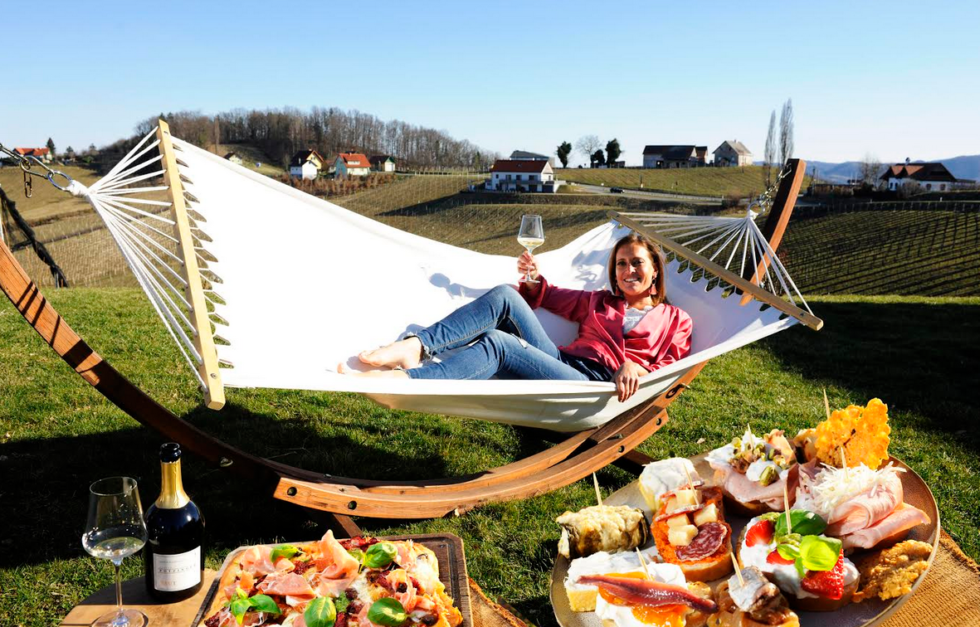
719	182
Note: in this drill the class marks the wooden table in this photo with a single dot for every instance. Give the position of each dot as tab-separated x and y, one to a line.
486	613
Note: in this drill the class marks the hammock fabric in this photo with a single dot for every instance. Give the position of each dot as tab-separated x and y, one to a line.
289	308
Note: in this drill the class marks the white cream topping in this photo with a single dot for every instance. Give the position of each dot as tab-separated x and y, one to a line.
602	563
756	468
665	476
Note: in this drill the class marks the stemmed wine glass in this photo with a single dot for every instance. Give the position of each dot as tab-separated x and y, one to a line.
115	530
530	237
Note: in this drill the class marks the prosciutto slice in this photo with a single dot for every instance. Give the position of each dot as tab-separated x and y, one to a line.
867	508
333	560
744	490
287	584
902	519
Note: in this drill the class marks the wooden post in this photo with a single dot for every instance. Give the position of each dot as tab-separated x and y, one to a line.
214	391
782	209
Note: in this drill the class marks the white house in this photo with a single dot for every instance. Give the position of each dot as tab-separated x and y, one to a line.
926	176
305	164
523	155
522	175
732	153
234	158
674	156
41	153
383	163
351	164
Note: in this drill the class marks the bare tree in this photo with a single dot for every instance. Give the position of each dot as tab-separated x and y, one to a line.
587	145
868	171
786	133
770	156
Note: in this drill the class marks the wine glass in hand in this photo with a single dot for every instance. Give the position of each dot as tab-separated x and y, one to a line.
530	237
115	530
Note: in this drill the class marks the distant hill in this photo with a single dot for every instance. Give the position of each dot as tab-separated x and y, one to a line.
965	167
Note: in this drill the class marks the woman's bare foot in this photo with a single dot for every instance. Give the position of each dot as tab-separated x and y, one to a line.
404	354
375	374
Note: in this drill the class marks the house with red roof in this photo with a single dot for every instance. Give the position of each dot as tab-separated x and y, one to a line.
41	153
522	175
926	176
351	164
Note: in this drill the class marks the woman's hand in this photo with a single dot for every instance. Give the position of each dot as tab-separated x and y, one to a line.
527	264
627	379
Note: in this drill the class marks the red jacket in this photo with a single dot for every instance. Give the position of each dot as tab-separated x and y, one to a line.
662	337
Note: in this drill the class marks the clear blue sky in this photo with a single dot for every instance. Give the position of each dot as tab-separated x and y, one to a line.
896	79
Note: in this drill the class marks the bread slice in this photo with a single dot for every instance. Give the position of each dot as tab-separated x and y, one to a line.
710	568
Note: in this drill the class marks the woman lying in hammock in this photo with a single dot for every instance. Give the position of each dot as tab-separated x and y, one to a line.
623	334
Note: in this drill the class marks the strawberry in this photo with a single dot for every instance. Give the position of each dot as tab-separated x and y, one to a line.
828	584
776	558
760	533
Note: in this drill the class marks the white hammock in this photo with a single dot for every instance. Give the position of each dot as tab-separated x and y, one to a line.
300	284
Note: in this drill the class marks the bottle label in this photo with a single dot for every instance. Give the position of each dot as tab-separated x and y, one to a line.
173	573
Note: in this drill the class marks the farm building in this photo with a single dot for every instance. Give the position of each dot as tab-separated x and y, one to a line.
927	176
41	153
351	164
674	156
522	175
732	153
306	164
523	155
382	163
234	157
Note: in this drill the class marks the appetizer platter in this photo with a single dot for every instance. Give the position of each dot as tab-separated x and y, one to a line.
821	530
405	581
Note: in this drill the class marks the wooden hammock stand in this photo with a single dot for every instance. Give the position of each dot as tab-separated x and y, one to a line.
564	463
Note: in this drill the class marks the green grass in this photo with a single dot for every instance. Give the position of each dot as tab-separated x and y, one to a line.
885	249
742	182
58	435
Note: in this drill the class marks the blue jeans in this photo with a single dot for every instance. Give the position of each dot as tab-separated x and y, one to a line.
505	339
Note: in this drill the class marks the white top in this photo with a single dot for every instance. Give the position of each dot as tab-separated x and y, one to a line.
633	317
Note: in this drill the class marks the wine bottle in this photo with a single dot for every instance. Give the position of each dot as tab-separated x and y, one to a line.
174	553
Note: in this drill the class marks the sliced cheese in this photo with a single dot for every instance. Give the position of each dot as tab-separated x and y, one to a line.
682	536
681	520
709	513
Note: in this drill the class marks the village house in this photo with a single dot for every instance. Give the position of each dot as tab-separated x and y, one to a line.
306	164
41	153
926	176
522	175
674	156
732	153
234	157
351	164
382	163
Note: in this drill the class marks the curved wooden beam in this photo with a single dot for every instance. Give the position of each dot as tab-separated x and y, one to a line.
560	465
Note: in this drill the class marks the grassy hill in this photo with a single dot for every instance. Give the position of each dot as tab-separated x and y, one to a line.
58	435
720	182
251	158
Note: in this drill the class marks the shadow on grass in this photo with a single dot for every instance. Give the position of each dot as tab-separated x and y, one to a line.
930	367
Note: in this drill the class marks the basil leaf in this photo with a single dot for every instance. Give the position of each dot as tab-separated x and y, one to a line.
264	603
341	603
320	613
238	607
788	551
282	550
380	555
357	554
819	553
388	612
804	523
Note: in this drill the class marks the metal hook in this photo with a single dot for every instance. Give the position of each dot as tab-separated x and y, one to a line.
28	184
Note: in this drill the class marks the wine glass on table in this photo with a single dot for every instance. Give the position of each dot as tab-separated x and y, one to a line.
530	237
115	530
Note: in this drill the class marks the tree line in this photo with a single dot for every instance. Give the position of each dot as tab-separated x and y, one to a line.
329	131
779	149
591	148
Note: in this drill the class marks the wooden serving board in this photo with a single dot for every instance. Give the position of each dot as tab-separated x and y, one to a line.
452	572
866	614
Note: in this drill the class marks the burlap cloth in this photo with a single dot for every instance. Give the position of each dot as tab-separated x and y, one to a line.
950	595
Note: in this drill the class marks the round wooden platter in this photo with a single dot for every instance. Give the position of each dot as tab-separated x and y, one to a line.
866	614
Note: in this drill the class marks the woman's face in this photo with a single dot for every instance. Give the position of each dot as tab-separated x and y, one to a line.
635	271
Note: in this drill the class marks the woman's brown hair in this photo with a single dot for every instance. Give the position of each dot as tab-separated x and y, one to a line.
659	283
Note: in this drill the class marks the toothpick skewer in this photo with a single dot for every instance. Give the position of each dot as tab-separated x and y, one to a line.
598	494
643	564
789	522
690	482
826	403
738	572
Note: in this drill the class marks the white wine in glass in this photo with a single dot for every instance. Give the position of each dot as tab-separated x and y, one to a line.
530	237
114	531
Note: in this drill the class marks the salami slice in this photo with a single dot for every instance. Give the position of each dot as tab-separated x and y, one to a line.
711	536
